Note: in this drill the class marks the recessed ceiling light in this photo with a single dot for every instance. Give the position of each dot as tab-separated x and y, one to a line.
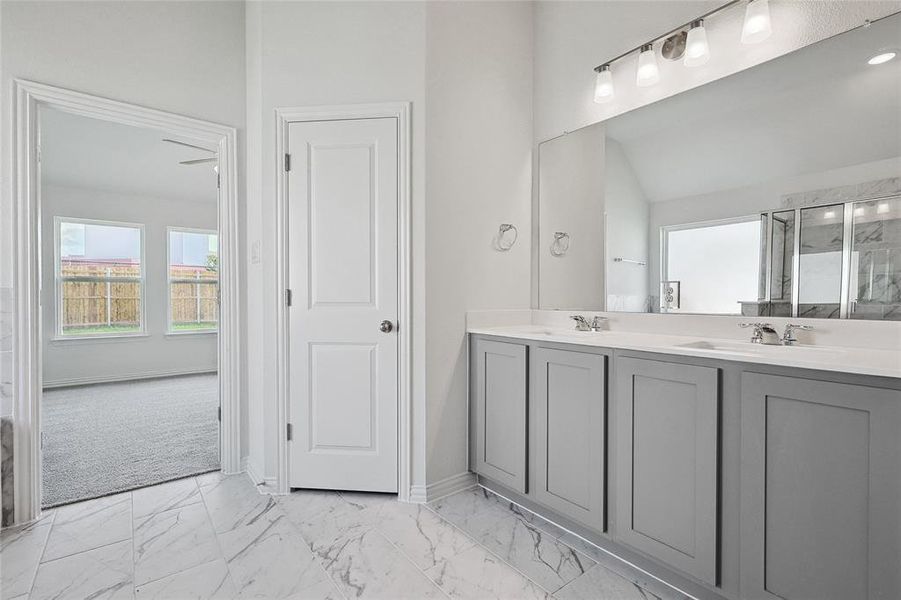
882	57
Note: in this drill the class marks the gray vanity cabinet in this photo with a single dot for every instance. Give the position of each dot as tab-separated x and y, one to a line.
500	383
666	462
820	490
568	392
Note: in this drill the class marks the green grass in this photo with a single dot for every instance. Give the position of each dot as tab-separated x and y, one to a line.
97	329
193	326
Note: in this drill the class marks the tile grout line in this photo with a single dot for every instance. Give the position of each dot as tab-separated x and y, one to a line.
406	557
309	547
209	518
134	558
604	550
41	557
496	555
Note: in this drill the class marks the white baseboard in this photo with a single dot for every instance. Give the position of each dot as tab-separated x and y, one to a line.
124	377
450	485
265	485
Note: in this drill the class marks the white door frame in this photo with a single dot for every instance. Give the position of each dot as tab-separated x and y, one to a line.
285	116
29	97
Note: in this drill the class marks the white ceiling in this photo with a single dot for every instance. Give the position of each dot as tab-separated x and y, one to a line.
88	153
819	108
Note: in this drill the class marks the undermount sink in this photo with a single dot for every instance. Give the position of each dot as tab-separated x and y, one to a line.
746	348
730	347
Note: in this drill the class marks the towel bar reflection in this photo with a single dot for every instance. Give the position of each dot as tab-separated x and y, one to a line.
561	243
505	241
640	263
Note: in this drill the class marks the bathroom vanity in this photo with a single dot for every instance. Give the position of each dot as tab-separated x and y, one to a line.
726	468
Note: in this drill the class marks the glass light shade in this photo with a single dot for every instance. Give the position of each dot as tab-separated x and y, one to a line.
882	58
697	51
757	26
648	73
603	86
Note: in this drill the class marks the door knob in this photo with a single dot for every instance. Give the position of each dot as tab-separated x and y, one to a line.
386	326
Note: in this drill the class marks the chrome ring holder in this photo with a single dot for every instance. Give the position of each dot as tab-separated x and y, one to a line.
504	241
560	246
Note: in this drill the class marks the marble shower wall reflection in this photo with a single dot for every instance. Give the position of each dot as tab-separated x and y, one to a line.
876	260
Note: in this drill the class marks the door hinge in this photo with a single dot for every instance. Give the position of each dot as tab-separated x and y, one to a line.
217	181
219	413
288	297
290	432
287	162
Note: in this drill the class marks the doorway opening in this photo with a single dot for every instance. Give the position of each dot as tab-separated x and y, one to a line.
125	341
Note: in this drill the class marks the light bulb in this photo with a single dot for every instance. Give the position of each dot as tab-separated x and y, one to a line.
603	86
697	51
757	22
648	73
882	208
882	58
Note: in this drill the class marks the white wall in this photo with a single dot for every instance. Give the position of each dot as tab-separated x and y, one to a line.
314	53
626	231
571	38
571	189
183	57
84	361
478	175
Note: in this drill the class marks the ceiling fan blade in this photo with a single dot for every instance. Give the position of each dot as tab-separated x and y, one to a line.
188	145
198	161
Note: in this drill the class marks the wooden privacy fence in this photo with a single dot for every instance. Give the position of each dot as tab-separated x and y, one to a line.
87	302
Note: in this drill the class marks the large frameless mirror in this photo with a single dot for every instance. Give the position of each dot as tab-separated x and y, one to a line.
772	192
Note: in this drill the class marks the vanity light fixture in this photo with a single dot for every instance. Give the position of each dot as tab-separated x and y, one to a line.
882	57
648	72
689	42
756	27
603	85
697	51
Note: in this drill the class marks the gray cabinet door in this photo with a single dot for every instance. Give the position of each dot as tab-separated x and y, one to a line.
666	465
500	419
567	422
820	490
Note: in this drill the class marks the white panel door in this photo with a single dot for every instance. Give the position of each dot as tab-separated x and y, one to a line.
342	218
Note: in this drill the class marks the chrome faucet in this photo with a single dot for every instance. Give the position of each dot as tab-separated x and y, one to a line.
581	323
597	323
788	337
763	334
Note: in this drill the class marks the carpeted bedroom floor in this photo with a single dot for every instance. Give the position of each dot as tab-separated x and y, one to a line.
111	437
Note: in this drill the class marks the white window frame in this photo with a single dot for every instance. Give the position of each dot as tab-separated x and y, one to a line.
58	281
169	330
665	230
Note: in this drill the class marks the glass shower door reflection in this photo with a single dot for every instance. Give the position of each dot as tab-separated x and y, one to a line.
875	290
820	262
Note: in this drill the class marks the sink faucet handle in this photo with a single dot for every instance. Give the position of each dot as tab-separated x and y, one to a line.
763	333
597	323
788	337
581	323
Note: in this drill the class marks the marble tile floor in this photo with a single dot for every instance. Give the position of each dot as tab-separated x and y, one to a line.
216	536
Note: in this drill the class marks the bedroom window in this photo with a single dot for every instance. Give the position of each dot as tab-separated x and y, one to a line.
193	280
99	278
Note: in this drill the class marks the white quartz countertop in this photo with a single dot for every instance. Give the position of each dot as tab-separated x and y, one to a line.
863	361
